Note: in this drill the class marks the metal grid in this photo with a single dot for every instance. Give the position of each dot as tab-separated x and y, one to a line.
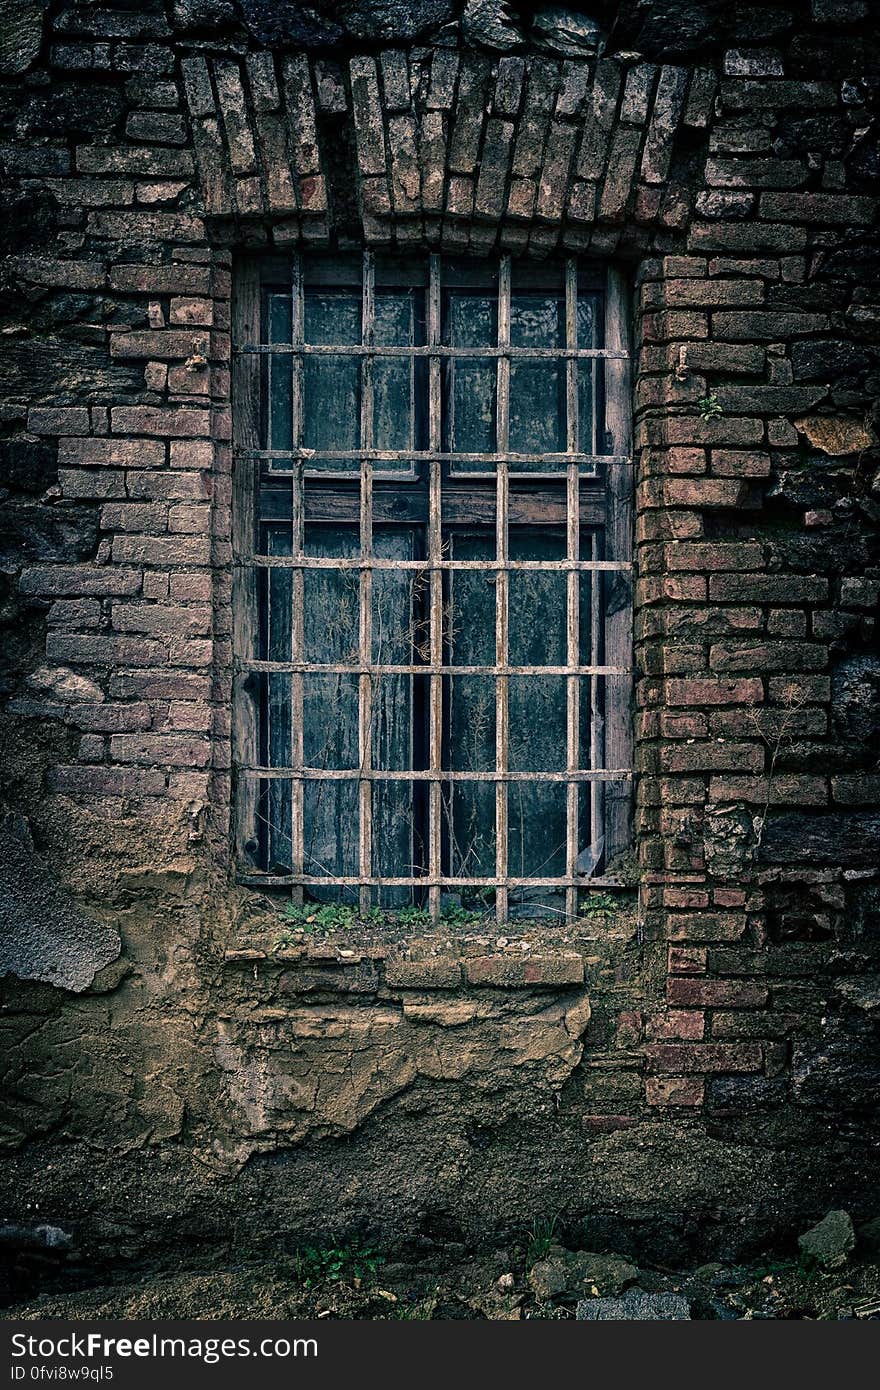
610	740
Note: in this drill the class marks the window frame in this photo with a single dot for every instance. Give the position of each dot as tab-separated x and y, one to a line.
607	501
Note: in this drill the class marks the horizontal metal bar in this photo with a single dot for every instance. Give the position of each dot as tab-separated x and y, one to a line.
340	668
327	562
560	354
362	774
311	880
425	456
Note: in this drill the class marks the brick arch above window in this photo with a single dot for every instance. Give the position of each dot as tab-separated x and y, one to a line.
444	146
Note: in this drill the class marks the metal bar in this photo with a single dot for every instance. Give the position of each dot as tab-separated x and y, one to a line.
341	668
443	881
422	350
618	593
597	800
502	590
365	633
245	617
297	541
435	551
572	508
425	456
350	774
323	562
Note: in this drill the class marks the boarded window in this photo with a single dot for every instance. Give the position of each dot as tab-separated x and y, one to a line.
433	580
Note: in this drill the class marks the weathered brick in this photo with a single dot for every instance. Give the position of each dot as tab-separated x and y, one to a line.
509	972
768	656
704	1057
104	650
161	550
436	973
782	789
89	782
675	1090
59	420
104	581
716	994
157	420
705	926
170	750
767	588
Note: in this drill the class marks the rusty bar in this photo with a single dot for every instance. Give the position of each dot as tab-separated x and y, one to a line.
502	588
435	552
365	631
419	350
297	541
572	508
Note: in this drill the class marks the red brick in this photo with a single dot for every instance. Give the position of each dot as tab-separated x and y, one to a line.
105	781
715	994
678	1058
156	420
687	960
685	1025
508	972
711	690
170	749
706	926
714	555
674	1090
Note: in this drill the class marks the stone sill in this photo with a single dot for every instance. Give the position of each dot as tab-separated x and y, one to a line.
505	970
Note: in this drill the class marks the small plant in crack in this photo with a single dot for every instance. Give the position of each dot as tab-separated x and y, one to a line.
775	739
709	407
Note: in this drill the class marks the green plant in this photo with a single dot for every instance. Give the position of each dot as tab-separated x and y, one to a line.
709	407
413	917
314	1265
540	1238
310	917
600	905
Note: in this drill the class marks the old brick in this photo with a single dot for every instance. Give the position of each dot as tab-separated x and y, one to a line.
711	994
704	1057
157	420
706	926
782	789
768	656
675	1090
161	550
509	972
437	973
59	420
172	750
767	588
684	1025
47	580
715	555
91	782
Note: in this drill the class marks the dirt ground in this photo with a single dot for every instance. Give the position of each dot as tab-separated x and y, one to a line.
360	1284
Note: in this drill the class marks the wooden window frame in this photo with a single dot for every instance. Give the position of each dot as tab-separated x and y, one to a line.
494	494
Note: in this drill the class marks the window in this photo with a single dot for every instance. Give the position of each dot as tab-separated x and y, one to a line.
433	583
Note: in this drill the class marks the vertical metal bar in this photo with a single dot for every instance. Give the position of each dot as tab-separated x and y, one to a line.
502	594
435	553
618	594
597	751
297	539
365	636
245	624
572	515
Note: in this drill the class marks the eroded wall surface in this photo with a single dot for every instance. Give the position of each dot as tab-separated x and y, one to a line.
696	1066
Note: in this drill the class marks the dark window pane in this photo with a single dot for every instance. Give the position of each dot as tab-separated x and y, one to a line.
587	373
279	433
331	385
470	392
537	389
399	323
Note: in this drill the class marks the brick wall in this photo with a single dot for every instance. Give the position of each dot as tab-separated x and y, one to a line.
736	173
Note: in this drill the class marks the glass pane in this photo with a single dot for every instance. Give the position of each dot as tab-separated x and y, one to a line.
331	618
537	619
470	390
588	442
331	383
399	323
537	389
330	836
278	431
468	812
